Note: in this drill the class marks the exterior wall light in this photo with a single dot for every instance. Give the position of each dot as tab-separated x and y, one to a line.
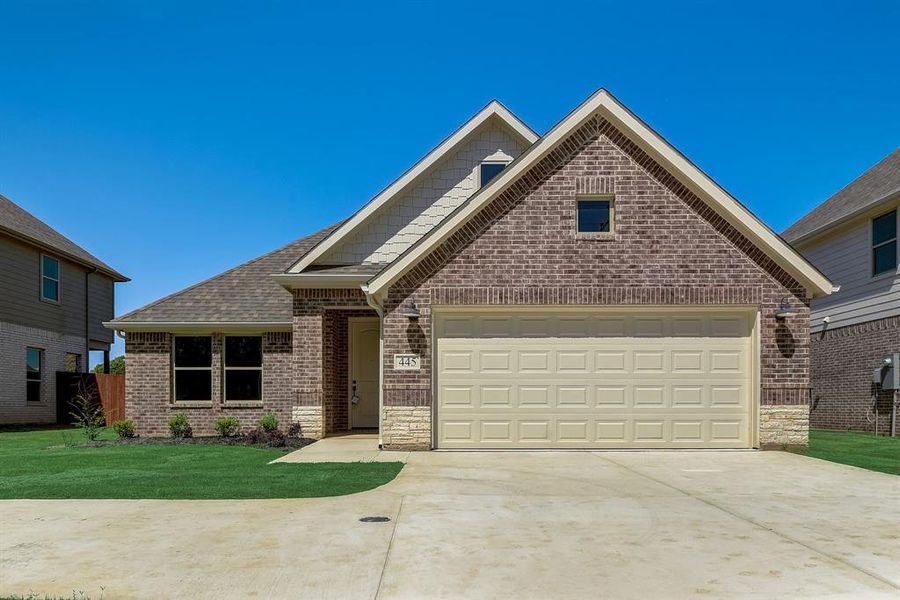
785	310
410	311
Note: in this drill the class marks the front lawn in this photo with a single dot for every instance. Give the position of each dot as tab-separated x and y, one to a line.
38	464
873	452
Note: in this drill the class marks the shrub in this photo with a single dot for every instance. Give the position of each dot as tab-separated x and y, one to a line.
294	430
228	426
179	426
269	423
87	414
124	428
275	439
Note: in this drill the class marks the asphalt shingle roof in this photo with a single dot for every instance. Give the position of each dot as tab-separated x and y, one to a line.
246	293
876	184
20	223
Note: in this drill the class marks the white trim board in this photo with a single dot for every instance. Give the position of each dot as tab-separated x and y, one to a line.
602	103
493	109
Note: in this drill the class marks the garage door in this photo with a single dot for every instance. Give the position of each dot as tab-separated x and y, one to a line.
579	380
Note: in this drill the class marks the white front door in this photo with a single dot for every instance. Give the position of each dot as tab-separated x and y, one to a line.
363	376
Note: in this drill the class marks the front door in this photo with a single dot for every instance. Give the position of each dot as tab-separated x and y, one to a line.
363	380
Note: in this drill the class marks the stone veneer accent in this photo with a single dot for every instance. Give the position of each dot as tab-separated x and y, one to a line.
842	363
785	426
148	385
406	427
668	248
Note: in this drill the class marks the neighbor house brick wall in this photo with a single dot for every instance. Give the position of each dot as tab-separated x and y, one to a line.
148	385
14	341
842	363
669	248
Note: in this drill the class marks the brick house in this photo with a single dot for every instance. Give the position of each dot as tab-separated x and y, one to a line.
588	288
852	238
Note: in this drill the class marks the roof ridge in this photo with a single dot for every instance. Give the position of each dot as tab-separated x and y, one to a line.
226	272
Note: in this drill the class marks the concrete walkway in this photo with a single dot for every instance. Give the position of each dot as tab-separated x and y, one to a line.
358	447
488	525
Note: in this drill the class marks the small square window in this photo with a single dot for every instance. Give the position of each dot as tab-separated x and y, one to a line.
49	278
595	215
489	171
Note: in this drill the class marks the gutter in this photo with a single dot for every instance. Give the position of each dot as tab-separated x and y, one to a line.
199	326
310	280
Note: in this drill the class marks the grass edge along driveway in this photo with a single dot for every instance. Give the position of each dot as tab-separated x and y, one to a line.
855	448
38	465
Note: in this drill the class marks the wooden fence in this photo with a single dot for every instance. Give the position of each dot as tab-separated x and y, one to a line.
107	390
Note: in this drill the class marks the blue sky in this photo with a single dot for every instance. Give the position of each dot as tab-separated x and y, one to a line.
176	140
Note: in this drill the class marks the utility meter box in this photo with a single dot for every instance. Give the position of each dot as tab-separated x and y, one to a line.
887	375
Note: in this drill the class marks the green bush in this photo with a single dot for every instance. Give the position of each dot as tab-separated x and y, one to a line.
228	426
268	423
124	428
179	426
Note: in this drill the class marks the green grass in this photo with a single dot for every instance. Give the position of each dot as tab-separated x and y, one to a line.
37	464
873	452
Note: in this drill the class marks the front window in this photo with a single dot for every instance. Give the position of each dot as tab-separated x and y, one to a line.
595	215
49	278
193	368
884	243
489	171
243	368
34	358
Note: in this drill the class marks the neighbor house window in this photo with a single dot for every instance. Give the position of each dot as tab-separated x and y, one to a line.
489	171
595	215
243	368
34	358
884	243
49	278
193	367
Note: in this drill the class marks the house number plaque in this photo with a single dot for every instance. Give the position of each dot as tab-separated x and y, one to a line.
406	362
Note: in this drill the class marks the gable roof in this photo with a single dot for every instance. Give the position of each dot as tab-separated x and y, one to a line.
244	295
879	184
21	224
603	103
493	109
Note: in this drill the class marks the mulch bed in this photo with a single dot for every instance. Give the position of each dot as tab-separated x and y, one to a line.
290	443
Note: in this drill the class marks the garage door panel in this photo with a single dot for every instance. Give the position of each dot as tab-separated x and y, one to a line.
585	381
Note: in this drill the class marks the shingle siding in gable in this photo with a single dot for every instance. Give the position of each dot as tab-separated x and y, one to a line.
414	213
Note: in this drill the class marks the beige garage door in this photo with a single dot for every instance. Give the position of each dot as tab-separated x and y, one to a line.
579	380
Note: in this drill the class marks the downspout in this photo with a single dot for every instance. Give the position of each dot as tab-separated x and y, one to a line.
378	308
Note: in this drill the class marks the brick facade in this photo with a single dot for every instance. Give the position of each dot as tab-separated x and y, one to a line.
148	385
668	248
842	363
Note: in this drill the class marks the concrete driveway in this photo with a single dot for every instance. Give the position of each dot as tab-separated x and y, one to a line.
488	525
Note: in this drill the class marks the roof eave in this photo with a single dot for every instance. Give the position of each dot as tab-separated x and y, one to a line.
198	326
824	229
111	273
291	281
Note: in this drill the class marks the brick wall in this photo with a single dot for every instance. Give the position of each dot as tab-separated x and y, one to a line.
668	248
842	363
14	340
148	385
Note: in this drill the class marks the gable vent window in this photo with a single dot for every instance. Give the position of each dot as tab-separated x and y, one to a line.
243	368
884	243
489	171
49	279
595	215
193	368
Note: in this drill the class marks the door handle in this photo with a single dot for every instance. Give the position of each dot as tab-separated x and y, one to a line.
354	399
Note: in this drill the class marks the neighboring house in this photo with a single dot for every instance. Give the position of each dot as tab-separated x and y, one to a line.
852	238
588	288
54	297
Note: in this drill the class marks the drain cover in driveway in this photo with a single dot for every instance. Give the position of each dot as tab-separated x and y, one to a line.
374	520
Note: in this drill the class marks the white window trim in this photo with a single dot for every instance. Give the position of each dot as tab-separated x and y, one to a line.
872	245
612	215
57	280
40	378
176	368
505	164
226	368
